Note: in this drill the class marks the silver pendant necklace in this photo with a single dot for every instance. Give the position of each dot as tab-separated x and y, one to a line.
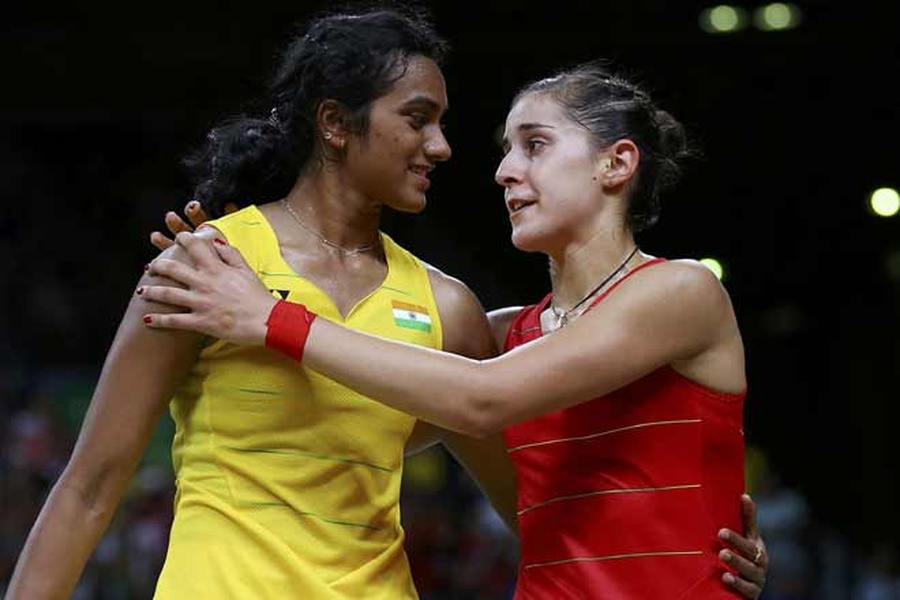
344	251
564	315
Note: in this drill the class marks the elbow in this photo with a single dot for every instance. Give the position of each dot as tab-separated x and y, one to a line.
480	403
482	416
96	491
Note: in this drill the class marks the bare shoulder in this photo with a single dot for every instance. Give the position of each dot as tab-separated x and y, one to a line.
686	272
464	323
679	281
458	305
451	293
179	254
697	301
687	292
682	297
701	284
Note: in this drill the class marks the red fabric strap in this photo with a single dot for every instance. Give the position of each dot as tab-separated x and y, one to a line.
288	327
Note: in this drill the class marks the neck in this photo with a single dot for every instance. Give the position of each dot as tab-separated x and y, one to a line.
335	210
582	266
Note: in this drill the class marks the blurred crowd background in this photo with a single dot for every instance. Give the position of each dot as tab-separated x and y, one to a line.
797	128
458	547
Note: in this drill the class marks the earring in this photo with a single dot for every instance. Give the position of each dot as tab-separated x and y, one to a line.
327	135
606	164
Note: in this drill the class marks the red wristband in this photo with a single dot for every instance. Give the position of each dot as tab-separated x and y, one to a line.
288	327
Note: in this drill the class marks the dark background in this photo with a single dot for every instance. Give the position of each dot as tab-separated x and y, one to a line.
100	102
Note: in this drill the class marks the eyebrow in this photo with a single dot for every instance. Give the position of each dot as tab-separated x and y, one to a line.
423	101
504	143
531	126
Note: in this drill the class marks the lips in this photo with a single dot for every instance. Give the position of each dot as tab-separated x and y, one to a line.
421	174
514	205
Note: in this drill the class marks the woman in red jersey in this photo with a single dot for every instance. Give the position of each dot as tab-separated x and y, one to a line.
350	128
620	395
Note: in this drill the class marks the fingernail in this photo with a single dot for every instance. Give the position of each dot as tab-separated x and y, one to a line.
192	205
148	319
729	578
140	290
726	555
723	534
219	242
147	267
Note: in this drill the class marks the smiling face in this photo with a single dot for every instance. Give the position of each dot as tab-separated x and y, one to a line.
392	160
551	175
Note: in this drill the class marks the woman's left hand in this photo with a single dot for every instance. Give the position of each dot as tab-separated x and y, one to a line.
224	297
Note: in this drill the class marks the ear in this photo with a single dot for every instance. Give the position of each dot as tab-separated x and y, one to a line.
618	163
331	124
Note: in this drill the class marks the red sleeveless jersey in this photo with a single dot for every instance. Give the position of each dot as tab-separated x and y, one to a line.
622	496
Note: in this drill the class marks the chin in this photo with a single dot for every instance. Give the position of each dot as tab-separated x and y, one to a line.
522	241
410	205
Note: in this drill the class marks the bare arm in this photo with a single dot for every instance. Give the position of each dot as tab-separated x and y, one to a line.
468	333
668	314
486	461
140	374
681	316
673	313
746	553
465	333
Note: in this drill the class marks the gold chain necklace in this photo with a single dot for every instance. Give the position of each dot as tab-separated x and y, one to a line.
344	251
564	315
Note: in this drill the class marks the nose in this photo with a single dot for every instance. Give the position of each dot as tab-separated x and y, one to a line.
437	148
507	173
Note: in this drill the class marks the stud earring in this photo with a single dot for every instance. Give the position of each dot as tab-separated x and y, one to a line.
327	135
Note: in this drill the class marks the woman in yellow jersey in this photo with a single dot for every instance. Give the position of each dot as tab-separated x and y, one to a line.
288	483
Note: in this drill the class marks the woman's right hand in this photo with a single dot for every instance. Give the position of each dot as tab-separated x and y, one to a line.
195	214
222	296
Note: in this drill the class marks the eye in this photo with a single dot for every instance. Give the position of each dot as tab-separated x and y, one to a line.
417	120
534	145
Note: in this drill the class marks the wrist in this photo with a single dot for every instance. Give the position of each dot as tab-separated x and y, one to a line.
288	327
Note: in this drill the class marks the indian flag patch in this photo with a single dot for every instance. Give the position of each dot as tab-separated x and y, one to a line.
411	316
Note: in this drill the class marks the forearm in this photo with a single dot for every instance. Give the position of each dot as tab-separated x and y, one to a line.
228	301
69	526
450	391
141	371
488	463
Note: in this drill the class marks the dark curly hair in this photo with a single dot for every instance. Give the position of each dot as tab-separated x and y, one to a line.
350	57
612	108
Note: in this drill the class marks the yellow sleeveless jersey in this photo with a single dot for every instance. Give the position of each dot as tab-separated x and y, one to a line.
288	483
